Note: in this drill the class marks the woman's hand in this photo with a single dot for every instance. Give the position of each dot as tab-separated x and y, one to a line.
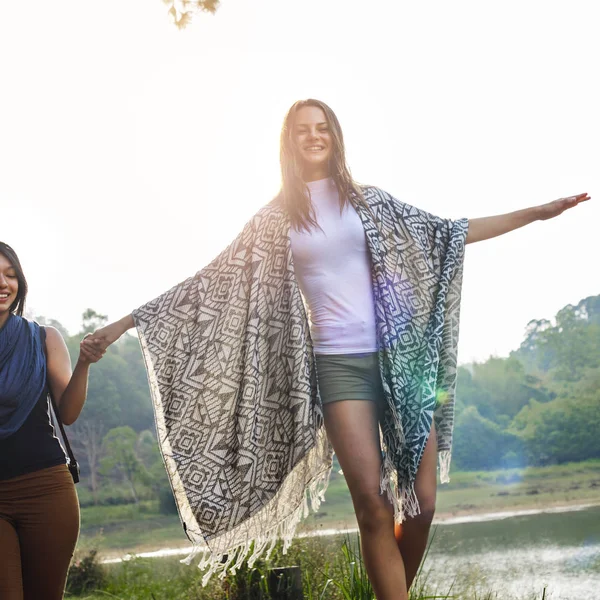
489	227
102	338
90	353
557	207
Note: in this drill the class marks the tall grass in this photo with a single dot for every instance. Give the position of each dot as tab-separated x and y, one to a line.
331	571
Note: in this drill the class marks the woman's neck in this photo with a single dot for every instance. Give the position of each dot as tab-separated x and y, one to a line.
3	318
316	174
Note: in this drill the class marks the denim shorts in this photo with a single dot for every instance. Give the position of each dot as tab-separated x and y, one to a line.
349	377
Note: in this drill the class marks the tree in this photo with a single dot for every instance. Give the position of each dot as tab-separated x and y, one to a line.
117	395
119	450
567	349
499	388
481	444
87	441
149	453
182	11
566	429
91	320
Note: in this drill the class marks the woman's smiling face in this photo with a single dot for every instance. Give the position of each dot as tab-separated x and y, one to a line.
313	142
9	285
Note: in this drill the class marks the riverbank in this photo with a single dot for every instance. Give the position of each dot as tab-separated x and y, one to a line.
130	529
351	529
550	555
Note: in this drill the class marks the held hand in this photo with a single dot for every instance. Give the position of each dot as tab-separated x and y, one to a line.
89	352
557	207
102	338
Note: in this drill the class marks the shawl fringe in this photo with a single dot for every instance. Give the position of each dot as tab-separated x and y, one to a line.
228	559
444	461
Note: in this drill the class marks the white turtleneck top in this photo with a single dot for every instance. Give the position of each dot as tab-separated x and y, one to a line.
333	269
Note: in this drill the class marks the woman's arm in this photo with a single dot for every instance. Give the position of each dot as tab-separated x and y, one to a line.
105	336
489	227
68	388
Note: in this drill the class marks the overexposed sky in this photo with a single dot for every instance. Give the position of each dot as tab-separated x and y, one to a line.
131	153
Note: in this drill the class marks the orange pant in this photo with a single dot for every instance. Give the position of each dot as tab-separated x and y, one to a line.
39	525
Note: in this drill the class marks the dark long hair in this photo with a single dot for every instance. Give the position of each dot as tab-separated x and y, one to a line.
18	306
294	193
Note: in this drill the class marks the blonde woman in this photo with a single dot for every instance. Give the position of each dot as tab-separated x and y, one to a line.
245	383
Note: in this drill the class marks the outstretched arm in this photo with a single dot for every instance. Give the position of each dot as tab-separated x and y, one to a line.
105	336
489	227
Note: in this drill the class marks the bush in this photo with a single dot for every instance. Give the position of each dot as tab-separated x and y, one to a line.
86	574
480	444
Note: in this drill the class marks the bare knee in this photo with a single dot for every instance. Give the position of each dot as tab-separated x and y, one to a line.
373	513
427	510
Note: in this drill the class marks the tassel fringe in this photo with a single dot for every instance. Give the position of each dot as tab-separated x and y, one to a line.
444	458
228	562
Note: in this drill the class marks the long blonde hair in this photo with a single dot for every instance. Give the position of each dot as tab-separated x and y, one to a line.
294	193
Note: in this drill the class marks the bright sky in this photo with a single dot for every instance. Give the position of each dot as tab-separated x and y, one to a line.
131	153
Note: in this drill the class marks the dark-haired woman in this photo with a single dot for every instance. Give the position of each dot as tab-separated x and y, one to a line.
233	360
39	510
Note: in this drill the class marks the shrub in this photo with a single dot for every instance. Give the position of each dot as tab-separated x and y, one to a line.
86	574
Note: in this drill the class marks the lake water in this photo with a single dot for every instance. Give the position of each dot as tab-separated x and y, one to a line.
513	554
520	555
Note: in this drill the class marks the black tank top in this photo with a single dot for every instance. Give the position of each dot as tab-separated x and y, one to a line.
32	447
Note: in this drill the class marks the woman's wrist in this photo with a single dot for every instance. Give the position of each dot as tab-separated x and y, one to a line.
125	324
536	213
82	362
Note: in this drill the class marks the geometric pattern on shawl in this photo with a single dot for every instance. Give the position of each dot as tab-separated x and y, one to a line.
417	265
232	377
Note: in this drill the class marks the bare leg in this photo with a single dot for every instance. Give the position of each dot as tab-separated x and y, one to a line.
415	531
353	429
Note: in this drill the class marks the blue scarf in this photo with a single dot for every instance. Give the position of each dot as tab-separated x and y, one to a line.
22	372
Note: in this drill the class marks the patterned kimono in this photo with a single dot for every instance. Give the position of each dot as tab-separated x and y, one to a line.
233	382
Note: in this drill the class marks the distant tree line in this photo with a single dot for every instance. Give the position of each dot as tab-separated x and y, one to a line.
539	406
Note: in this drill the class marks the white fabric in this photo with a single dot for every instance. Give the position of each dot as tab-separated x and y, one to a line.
333	269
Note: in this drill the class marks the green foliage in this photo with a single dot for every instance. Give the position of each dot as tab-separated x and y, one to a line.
499	388
86	574
541	405
166	501
481	444
91	320
247	583
120	455
568	348
331	570
565	430
352	578
117	395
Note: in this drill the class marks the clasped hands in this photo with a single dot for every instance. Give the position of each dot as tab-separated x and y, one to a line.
94	345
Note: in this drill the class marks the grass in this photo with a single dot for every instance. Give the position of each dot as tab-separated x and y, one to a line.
332	569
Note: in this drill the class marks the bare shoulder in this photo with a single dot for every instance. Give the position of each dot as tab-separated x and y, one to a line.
54	340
